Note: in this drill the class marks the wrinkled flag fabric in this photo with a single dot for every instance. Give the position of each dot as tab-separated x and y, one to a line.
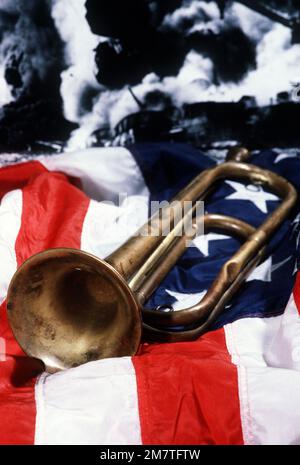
237	384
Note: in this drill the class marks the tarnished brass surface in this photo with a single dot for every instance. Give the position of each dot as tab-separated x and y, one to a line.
67	307
239	154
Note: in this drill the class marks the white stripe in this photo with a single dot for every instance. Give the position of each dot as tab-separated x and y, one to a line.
106	227
95	403
263	342
248	339
284	348
104	172
246	418
266	352
10	223
272	397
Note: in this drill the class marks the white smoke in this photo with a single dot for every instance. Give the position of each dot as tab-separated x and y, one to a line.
278	62
203	15
5	91
108	107
278	65
9	6
69	17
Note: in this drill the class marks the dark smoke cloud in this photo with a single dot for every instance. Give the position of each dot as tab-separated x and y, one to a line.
30	47
141	42
231	51
141	47
31	62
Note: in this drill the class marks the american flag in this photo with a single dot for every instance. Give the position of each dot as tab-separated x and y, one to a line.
237	384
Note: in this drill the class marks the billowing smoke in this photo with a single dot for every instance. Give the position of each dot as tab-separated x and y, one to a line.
30	49
182	49
31	62
79	84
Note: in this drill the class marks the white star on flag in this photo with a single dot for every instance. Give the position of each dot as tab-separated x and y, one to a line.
185	300
296	267
254	194
202	241
262	272
284	156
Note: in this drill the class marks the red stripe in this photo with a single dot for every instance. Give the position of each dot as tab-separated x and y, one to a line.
296	292
17	176
17	403
188	393
52	216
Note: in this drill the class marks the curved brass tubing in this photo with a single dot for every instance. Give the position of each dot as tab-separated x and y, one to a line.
228	281
235	270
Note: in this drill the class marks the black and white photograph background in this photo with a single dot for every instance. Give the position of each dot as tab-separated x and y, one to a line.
81	73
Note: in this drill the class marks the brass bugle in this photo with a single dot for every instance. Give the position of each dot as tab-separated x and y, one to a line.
67	307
